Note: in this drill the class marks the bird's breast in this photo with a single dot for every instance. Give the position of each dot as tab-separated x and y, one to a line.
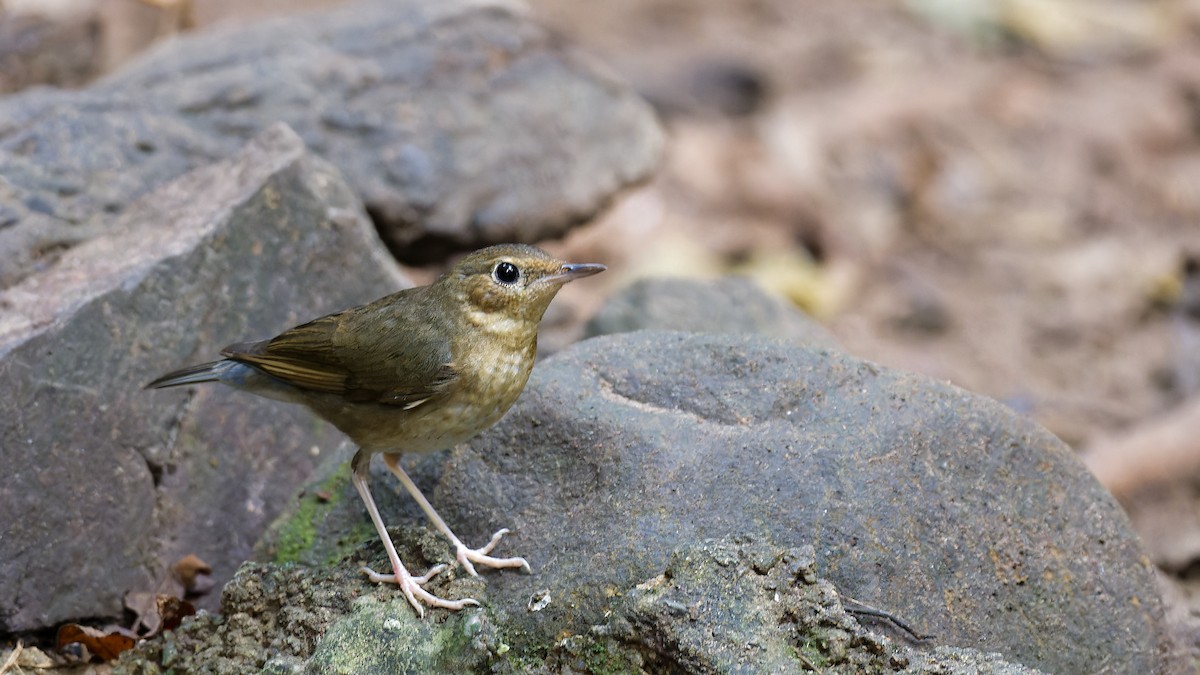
487	385
490	383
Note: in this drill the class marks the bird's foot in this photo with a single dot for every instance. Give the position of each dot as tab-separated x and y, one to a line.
414	591
479	556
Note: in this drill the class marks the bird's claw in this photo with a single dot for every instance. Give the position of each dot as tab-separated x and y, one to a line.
391	578
433	572
415	592
468	557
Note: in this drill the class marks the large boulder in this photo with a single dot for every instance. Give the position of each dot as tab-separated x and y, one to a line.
941	507
460	123
106	484
945	509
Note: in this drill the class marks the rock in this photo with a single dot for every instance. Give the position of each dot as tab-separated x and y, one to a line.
460	123
719	607
747	606
72	161
920	499
943	508
298	618
708	87
269	615
725	305
63	51
105	484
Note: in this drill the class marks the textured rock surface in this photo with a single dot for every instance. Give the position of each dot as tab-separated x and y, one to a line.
943	508
718	607
741	605
919	498
278	618
460	123
72	161
726	305
34	50
104	483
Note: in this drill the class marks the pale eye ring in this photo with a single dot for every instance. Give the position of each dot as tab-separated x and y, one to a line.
506	273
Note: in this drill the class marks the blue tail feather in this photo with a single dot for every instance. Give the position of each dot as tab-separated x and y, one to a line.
232	373
205	372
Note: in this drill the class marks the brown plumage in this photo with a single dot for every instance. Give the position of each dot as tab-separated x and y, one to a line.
416	371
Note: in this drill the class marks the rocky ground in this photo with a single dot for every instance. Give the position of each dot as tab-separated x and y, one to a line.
998	194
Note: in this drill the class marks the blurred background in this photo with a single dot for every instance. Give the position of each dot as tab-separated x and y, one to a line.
1002	194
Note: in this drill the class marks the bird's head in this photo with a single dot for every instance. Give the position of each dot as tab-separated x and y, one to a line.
511	283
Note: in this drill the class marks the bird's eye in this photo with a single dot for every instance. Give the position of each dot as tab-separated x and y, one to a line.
506	273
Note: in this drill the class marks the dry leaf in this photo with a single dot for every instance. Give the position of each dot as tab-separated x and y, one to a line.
173	610
187	567
106	646
144	606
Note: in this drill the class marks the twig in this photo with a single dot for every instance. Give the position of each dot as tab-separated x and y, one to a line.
807	664
1156	452
11	661
864	609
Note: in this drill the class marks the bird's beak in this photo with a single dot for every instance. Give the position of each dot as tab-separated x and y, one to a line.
573	271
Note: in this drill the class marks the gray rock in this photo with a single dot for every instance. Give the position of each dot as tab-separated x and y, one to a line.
106	484
460	123
943	508
718	607
939	506
63	51
725	305
297	618
70	162
745	606
271	618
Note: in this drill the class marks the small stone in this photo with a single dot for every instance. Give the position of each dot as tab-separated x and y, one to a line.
726	305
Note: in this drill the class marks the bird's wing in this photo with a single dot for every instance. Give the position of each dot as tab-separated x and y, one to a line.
371	354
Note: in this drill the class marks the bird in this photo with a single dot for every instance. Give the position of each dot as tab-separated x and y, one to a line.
417	371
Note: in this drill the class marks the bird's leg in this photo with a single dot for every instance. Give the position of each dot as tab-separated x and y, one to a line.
466	556
409	584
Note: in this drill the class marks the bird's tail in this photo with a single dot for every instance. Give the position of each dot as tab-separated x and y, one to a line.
205	372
